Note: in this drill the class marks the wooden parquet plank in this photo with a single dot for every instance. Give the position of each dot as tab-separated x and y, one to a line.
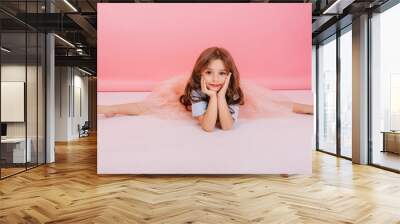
70	191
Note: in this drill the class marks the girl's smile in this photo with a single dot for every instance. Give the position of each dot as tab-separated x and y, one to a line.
214	86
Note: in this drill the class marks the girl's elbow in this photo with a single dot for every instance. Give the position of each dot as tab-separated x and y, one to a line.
227	128
207	129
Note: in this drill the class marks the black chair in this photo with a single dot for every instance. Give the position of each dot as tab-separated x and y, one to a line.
84	130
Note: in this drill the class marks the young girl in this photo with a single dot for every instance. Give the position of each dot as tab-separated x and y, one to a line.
214	94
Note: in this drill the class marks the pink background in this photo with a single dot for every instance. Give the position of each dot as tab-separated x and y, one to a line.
143	43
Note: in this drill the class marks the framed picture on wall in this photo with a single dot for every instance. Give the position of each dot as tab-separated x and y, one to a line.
12	101
227	93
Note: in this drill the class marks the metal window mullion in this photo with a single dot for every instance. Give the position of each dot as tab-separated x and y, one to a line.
0	95
73	92
45	95
45	87
369	89
317	96
37	90
338	98
26	86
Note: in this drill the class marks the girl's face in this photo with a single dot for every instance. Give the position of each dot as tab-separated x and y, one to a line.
215	74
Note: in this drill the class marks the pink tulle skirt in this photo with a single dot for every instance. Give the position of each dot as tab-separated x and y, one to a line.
259	102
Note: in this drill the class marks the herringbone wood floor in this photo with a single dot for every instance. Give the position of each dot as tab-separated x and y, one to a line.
70	191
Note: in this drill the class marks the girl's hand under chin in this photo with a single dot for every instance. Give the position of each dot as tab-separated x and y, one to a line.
224	88
205	90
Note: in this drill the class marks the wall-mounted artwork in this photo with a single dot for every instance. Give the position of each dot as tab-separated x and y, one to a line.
221	88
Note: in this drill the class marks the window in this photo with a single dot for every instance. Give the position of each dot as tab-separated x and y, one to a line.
327	95
346	92
385	88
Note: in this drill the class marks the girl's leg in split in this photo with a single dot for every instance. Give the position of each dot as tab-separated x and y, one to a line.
303	108
136	108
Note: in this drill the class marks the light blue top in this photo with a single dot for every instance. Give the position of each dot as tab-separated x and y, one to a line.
200	107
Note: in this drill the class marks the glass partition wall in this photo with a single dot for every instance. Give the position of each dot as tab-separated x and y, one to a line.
334	80
22	88
326	60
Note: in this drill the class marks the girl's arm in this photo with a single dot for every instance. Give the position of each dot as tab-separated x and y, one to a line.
225	116
208	120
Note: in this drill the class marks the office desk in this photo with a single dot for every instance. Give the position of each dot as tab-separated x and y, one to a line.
13	150
391	141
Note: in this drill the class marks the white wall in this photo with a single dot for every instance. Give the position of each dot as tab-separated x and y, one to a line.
69	82
14	73
62	81
34	125
80	83
17	73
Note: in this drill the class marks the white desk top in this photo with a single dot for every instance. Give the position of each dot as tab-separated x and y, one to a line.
13	140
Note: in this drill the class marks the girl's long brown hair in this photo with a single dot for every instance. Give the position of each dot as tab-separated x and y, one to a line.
234	94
